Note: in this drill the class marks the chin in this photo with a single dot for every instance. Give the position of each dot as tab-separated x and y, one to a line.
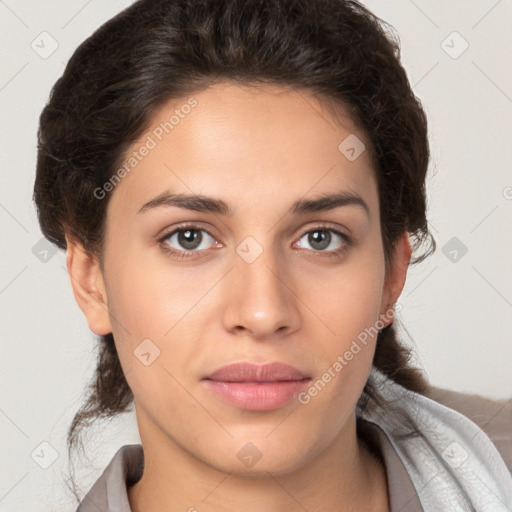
256	459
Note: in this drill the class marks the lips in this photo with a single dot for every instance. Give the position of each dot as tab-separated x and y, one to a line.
253	372
256	387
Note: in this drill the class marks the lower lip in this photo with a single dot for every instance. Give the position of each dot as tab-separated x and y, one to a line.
257	396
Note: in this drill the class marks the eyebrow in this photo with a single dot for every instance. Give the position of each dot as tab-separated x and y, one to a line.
201	203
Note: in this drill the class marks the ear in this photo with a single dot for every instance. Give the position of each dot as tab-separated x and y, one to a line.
396	274
88	287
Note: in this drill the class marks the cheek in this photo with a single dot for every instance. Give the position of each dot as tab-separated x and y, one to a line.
151	314
150	299
351	312
354	295
351	309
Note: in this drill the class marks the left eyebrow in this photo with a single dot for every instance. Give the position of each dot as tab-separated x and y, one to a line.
329	202
201	203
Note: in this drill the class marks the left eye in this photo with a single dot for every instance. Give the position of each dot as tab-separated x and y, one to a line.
321	238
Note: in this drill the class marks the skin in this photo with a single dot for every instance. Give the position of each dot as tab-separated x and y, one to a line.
259	150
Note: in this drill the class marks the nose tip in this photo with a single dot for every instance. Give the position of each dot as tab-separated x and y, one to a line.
258	299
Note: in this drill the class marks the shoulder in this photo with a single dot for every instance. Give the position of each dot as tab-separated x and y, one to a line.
110	491
493	416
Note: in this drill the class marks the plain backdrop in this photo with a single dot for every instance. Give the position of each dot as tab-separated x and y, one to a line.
457	305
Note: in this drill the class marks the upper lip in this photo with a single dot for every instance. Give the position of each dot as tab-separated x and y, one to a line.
254	372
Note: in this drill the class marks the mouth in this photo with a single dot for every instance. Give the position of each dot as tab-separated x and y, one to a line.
256	387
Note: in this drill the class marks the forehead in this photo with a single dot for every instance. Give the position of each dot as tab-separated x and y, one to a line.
230	140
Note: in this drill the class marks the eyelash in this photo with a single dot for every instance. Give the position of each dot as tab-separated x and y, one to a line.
191	254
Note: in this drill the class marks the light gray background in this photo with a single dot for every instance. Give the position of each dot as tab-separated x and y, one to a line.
458	313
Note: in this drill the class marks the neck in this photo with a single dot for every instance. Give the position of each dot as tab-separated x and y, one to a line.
343	477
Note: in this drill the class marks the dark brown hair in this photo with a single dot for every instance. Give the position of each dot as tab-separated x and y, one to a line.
157	50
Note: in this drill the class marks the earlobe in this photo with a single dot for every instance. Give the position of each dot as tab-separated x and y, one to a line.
395	277
88	287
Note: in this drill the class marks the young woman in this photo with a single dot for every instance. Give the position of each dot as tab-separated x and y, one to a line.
237	185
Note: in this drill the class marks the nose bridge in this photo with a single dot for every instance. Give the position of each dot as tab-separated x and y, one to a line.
260	299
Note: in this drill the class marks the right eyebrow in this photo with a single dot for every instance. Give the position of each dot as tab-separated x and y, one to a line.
198	203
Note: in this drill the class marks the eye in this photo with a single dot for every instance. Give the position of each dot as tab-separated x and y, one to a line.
185	241
322	237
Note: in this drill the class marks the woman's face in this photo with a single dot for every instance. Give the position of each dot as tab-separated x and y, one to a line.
274	279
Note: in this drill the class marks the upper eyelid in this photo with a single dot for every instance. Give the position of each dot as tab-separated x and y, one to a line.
166	234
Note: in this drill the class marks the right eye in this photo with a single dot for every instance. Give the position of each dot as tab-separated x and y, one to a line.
187	240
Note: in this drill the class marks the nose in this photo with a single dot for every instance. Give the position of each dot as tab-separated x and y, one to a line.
260	298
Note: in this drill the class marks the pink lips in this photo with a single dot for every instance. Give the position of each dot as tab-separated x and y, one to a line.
256	387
